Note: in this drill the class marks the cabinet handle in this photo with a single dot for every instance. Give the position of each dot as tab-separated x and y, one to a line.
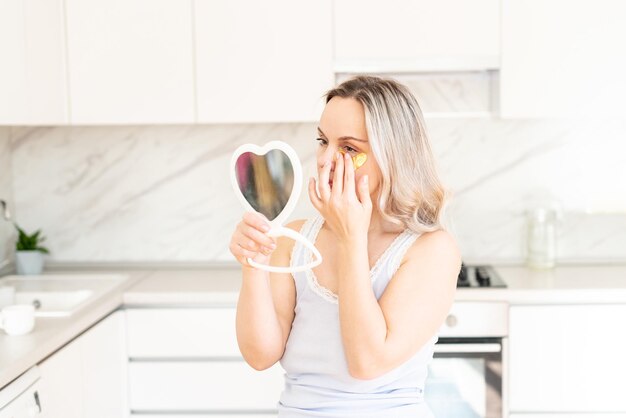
468	348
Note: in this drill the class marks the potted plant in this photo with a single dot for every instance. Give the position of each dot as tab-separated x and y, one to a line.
29	252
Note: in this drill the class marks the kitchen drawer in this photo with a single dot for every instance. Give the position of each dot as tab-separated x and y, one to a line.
181	333
184	386
494	323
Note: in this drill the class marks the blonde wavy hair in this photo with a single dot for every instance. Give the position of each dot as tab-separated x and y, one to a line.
411	193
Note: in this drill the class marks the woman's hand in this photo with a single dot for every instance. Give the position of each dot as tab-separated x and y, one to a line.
251	241
346	212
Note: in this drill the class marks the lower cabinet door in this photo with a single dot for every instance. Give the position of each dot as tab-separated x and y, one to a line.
203	386
567	359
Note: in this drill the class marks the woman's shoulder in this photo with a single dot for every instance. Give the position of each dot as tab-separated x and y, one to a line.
439	246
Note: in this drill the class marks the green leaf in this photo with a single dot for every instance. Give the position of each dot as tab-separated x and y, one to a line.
27	242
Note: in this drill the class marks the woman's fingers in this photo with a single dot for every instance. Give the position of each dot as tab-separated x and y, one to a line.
364	192
255	227
257	220
337	189
348	183
242	252
256	238
323	186
250	239
315	199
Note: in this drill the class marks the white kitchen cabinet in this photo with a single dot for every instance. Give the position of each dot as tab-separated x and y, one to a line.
567	359
607	415
176	333
416	35
61	383
187	359
87	377
33	84
267	61
209	415
185	386
130	61
562	58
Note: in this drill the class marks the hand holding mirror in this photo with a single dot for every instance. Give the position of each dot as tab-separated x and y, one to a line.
268	179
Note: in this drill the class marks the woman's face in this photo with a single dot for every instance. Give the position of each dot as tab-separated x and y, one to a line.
342	127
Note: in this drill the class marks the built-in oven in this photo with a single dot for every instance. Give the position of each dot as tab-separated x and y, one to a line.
467	376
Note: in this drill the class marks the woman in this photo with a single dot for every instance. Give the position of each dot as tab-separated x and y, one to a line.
356	333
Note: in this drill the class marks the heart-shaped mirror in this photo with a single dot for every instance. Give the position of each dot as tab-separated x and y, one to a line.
268	179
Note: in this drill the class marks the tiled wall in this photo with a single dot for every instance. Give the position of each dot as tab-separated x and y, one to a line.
162	193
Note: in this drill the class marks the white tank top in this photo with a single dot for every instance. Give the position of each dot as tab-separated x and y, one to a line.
317	382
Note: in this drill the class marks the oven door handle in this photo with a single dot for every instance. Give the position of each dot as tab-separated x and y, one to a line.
468	348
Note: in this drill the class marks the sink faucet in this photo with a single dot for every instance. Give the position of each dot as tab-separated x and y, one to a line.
5	210
7	217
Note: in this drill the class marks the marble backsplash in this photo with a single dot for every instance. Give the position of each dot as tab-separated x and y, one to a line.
161	194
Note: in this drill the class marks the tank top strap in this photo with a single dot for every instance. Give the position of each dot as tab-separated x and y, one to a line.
393	263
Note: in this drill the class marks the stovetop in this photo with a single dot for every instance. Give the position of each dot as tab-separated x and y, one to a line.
479	276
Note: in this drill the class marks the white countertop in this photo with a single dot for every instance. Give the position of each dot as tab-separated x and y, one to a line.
583	284
562	285
20	352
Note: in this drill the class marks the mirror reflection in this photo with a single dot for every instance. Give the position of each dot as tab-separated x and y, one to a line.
266	181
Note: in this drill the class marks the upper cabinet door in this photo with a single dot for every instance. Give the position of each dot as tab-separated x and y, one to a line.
33	87
416	35
130	61
268	61
562	58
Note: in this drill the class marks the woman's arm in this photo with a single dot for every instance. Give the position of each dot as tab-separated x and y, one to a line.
265	309
380	335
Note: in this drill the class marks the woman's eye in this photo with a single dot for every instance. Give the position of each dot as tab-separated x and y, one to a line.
348	148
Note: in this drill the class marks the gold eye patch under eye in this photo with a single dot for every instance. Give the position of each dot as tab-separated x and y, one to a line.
358	160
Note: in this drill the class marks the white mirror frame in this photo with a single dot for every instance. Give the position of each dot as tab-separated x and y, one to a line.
276	224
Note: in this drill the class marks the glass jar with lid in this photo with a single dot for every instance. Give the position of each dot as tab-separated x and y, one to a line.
541	238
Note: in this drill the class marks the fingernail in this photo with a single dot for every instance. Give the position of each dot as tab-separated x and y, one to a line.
265	227
365	179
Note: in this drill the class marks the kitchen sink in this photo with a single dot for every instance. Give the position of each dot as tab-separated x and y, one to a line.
53	303
59	295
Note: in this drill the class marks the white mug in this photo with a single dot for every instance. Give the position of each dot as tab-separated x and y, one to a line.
17	319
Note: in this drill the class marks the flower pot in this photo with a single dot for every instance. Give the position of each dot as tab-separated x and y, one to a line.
29	262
